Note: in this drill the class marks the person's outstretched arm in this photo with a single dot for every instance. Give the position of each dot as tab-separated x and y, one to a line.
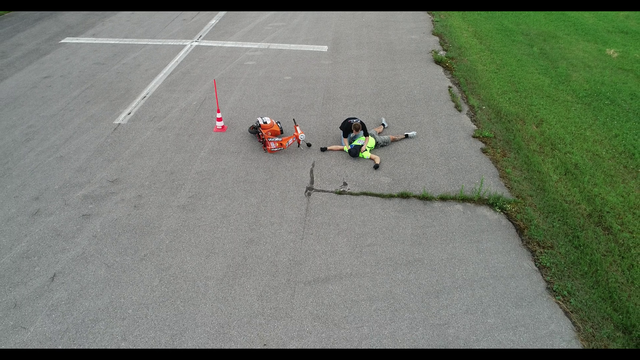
376	160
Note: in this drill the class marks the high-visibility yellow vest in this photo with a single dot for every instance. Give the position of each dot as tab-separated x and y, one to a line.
360	141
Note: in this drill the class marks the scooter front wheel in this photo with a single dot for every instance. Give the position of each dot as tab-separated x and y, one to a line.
253	129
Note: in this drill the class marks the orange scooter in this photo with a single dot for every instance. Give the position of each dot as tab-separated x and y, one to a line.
269	133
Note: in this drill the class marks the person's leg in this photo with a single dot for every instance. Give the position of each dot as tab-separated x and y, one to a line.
383	125
383	140
376	161
402	137
376	138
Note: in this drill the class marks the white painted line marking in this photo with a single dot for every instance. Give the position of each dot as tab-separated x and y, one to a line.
196	42
125	41
189	45
264	45
124	117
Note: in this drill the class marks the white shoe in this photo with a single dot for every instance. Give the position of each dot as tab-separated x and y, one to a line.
384	123
410	134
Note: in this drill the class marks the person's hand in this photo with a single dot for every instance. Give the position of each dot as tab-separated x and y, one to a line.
376	166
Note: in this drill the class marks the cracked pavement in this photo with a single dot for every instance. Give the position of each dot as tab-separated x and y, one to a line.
161	233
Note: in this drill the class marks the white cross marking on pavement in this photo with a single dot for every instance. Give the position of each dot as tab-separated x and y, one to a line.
189	45
194	42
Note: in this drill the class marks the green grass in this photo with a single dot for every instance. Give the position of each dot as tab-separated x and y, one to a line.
556	99
478	196
455	98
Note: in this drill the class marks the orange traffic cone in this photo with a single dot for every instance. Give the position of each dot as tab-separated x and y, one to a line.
220	126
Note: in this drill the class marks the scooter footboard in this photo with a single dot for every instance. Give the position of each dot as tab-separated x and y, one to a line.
275	144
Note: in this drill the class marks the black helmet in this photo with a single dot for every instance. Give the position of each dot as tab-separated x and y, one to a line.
355	151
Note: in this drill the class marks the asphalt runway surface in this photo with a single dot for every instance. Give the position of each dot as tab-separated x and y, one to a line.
128	223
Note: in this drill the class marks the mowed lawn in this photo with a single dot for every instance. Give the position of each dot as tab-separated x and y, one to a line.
556	98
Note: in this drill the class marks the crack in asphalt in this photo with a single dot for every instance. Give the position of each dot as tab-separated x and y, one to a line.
311	189
495	202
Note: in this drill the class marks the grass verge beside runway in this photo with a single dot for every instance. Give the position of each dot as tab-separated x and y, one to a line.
555	98
477	196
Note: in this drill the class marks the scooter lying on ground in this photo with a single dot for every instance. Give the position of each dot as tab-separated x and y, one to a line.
269	133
